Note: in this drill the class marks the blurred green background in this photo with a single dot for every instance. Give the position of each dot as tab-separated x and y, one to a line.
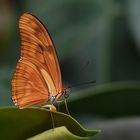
95	40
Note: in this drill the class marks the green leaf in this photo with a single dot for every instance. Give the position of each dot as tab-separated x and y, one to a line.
59	133
110	100
22	124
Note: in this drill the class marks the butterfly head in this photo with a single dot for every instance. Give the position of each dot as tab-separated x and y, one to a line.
60	96
66	92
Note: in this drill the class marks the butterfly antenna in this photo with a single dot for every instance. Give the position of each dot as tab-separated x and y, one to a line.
84	84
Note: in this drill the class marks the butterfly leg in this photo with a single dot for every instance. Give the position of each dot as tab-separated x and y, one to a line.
52	118
51	108
66	106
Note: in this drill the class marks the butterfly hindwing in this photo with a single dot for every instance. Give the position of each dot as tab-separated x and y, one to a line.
28	87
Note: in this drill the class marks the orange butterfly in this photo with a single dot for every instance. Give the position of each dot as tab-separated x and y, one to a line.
37	78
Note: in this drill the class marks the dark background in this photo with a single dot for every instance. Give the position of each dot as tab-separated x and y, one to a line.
95	40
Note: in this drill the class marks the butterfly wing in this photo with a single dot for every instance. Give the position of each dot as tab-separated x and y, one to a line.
28	87
37	73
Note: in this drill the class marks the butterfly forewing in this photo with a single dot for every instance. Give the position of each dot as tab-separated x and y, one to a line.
34	34
37	73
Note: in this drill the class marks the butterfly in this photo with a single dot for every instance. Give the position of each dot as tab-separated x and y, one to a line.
37	78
